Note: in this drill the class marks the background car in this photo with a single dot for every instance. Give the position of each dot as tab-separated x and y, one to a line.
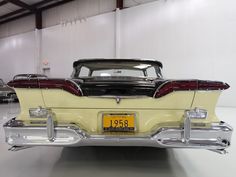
29	76
7	94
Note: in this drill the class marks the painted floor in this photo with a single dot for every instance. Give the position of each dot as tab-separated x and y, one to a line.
115	161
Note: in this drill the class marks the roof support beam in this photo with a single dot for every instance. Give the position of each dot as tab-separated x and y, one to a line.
120	4
22	4
38	19
3	3
16	17
58	3
42	3
19	11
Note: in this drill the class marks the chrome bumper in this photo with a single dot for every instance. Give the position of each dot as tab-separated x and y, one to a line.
215	137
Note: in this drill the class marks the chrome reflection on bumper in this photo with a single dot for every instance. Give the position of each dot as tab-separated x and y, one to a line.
216	137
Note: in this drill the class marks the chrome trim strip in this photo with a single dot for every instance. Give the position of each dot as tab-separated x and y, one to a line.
117	96
78	87
158	88
219	151
18	148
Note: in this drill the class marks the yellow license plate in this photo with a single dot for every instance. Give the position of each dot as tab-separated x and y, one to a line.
118	122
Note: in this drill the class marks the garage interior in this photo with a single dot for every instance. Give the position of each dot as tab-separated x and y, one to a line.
192	38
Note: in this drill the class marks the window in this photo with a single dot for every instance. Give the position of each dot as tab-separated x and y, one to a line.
151	72
84	71
118	72
117	68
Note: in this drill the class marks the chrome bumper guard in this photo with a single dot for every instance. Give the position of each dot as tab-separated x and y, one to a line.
216	137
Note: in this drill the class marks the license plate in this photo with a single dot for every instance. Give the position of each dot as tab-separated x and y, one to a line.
118	122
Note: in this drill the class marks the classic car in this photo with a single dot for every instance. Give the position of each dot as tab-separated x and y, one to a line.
118	102
7	94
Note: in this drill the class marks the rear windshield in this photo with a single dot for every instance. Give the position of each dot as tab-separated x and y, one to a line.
118	72
116	69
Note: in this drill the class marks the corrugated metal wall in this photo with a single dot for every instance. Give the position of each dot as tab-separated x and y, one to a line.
67	13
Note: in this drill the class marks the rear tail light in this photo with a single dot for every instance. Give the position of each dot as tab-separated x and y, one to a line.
67	85
24	83
183	85
212	85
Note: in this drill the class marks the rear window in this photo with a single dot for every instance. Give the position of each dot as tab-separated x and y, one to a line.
118	72
114	68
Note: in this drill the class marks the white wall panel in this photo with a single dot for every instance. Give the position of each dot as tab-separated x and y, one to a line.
17	55
193	38
62	45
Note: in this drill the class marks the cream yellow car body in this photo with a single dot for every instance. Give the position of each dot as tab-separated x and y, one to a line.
86	112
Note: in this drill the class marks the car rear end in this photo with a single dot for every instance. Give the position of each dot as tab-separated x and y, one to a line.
118	111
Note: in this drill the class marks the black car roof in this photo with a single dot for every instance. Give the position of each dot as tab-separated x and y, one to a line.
149	61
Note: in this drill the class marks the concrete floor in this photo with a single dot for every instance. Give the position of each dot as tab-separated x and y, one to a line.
114	161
